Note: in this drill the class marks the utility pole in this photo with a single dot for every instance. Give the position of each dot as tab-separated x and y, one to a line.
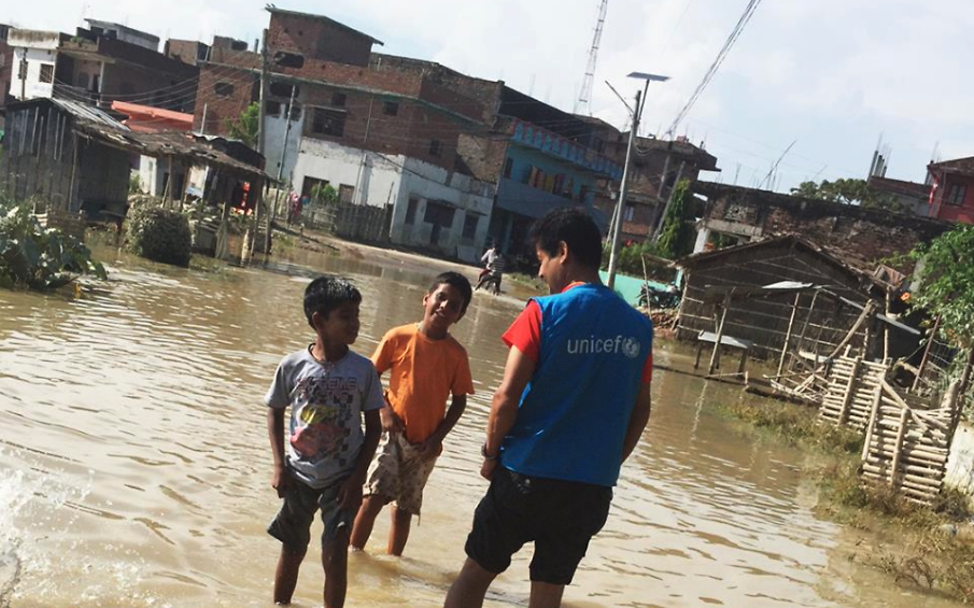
23	76
261	148
623	193
287	132
261	133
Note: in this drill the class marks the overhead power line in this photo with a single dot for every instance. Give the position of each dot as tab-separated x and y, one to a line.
752	6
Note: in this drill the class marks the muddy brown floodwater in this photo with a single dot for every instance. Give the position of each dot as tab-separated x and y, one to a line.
134	466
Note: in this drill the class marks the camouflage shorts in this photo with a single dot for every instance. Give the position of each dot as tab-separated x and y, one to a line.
399	473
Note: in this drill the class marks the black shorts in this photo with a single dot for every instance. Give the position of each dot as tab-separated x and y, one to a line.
292	525
561	517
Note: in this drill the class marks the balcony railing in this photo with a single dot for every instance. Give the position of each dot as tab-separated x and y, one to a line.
551	143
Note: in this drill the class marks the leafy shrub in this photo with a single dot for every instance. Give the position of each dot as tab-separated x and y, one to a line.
160	235
37	257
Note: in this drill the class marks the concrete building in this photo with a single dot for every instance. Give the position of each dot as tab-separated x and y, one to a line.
97	68
381	134
657	166
541	159
107	29
952	191
908	197
861	237
194	52
458	160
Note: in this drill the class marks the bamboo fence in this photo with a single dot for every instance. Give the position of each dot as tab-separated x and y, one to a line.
907	439
848	399
907	447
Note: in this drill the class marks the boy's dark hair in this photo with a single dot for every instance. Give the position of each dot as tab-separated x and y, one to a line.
456	280
325	294
576	228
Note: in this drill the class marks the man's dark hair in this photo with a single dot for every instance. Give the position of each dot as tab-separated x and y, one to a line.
456	280
325	294
576	228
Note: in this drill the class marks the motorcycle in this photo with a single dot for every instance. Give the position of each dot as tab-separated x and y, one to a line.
651	296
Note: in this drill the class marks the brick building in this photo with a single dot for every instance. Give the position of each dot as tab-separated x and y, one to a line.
541	158
952	196
381	132
657	166
97	66
862	237
458	160
910	197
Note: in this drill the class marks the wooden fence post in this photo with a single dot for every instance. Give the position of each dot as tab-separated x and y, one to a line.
791	325
850	390
714	357
900	436
877	402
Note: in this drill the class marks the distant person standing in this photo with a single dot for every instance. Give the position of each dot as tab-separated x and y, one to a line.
570	409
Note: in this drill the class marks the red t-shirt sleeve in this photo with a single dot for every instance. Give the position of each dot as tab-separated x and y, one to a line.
525	331
525	334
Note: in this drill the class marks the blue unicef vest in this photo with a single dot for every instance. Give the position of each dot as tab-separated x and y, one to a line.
574	412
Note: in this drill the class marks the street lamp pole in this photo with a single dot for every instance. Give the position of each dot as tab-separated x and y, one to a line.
624	188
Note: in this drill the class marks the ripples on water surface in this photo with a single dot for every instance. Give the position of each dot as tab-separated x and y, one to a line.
134	467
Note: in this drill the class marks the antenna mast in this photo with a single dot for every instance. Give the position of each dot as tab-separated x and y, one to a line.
585	95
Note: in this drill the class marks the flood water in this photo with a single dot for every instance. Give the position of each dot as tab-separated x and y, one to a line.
135	467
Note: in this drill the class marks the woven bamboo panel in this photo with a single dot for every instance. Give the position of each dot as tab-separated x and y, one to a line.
851	391
907	448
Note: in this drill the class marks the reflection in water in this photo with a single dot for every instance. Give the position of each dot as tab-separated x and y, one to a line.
134	467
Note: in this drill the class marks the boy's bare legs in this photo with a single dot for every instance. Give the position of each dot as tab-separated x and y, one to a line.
286	577
471	586
399	533
334	558
546	595
365	520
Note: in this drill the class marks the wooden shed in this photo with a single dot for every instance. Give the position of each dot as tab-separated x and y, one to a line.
825	303
76	157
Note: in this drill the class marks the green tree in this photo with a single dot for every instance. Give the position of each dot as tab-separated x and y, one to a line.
945	271
246	126
324	194
848	192
676	236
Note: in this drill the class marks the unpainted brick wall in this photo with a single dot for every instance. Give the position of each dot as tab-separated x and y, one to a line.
219	108
317	39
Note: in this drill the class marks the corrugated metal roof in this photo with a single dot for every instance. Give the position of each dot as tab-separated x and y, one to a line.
88	113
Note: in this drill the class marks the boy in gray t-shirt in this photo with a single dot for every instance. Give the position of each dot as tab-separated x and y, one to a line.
329	389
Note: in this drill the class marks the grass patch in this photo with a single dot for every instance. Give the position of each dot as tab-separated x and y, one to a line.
926	548
531	282
798	425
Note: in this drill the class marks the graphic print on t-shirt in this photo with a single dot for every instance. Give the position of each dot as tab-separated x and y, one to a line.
325	417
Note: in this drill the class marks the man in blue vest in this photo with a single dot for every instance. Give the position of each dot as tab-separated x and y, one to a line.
570	409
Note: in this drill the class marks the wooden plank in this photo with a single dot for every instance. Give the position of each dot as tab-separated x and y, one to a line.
850	387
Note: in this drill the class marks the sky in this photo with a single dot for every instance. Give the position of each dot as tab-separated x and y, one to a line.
833	76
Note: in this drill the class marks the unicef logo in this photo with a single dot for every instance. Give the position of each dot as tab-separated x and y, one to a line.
630	348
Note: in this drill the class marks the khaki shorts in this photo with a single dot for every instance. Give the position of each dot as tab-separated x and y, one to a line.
399	473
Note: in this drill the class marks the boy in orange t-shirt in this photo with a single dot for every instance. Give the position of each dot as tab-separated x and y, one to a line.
427	365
